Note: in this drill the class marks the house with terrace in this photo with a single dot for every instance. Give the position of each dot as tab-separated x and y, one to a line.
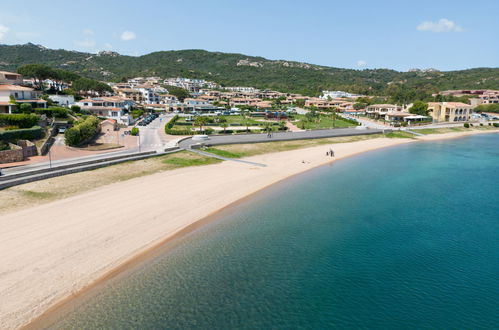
379	111
110	107
12	95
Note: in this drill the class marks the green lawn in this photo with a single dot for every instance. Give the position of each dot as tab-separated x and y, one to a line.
323	121
230	120
187	160
400	135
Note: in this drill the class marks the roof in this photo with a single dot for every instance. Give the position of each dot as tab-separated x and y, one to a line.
398	114
6	72
31	101
384	105
14	88
109	121
100	108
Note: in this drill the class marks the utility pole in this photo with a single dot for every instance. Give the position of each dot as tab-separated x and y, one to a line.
139	140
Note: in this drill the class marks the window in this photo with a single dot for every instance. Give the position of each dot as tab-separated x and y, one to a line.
114	114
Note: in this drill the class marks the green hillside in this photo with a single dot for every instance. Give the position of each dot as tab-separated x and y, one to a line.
237	69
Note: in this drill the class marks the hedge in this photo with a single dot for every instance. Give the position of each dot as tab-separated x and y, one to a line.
53	112
20	120
33	133
82	132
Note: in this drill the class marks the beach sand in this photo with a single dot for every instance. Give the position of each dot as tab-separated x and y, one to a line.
52	251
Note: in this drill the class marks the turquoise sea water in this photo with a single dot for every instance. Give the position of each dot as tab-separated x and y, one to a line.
401	238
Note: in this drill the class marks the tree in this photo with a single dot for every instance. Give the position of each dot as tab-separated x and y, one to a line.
358	106
419	108
178	92
200	121
224	125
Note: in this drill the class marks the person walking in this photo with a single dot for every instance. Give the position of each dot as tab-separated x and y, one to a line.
331	152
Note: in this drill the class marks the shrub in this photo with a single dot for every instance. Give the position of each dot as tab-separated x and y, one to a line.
471	125
137	113
53	112
404	124
20	120
135	131
82	132
75	108
33	133
495	124
466	125
26	108
481	124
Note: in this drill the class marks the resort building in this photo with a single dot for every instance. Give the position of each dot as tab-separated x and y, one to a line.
380	110
450	111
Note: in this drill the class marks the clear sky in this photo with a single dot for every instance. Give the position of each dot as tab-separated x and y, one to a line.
396	34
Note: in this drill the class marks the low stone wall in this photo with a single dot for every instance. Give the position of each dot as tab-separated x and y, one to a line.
13	155
28	147
50	140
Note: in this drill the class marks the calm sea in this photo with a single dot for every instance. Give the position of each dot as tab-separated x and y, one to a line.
402	238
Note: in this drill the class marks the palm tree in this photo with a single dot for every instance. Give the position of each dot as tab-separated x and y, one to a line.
200	121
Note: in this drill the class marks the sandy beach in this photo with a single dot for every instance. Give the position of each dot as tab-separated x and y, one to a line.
52	251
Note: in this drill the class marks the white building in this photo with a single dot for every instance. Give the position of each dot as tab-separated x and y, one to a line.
242	89
112	107
63	100
336	94
149	96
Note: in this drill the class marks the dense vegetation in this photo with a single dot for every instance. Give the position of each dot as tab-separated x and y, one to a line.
40	72
82	132
33	133
237	69
494	107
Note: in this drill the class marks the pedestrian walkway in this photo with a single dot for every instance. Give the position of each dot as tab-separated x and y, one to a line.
209	154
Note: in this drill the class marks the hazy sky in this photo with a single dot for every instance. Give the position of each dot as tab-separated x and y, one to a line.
402	34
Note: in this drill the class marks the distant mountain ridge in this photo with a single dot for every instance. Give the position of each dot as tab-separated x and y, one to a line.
241	70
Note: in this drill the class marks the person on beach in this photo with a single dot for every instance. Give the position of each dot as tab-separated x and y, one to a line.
331	152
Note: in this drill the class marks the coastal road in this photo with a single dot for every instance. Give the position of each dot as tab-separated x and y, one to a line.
151	140
284	136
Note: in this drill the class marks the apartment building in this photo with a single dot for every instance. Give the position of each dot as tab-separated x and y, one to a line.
450	111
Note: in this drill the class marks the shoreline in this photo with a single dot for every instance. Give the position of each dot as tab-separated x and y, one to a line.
118	248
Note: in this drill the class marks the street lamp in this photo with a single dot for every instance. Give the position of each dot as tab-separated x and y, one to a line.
138	134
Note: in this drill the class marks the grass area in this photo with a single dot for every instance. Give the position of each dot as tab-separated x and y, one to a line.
400	135
324	121
101	146
230	120
252	149
40	192
223	153
178	162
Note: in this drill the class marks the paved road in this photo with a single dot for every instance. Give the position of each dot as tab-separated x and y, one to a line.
285	136
150	137
150	141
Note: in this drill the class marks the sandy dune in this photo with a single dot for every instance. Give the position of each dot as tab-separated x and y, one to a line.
50	251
